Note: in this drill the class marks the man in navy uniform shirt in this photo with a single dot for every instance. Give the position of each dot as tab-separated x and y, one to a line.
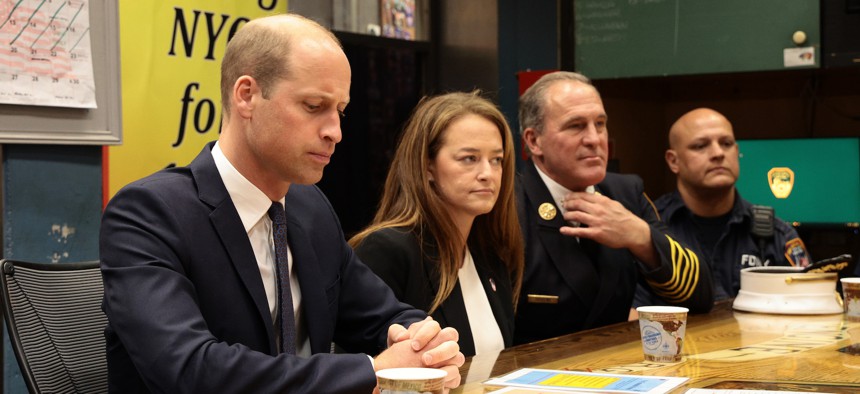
708	213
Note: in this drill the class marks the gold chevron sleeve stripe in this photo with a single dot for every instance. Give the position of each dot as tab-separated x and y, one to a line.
685	275
686	271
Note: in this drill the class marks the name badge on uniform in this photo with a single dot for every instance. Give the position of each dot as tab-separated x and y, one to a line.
542	299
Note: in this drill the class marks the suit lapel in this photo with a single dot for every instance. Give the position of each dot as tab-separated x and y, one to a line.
431	271
565	253
573	264
235	240
453	313
607	273
225	219
607	281
494	292
314	299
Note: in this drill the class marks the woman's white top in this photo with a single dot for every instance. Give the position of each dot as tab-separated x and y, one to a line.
485	330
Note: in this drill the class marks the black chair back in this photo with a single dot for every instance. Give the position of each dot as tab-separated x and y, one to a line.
56	325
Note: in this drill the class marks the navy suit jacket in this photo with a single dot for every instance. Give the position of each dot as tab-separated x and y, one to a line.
185	301
395	255
570	286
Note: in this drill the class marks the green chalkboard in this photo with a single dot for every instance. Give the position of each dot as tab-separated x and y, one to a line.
634	38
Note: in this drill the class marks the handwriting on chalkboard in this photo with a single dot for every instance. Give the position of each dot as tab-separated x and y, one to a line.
644	2
607	21
599	22
638	38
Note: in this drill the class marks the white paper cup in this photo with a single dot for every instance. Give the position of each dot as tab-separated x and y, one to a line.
662	329
851	298
411	380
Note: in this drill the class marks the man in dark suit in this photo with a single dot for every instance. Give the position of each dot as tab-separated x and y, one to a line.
201	297
590	236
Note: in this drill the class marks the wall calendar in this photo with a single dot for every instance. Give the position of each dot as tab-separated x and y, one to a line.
45	53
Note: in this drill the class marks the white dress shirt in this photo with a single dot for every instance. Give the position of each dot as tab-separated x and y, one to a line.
253	206
485	329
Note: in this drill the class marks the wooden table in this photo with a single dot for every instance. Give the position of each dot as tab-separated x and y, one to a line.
724	349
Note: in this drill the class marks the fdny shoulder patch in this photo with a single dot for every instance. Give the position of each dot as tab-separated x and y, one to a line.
795	252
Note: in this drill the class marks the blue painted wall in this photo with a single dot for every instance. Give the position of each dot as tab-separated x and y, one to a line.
51	212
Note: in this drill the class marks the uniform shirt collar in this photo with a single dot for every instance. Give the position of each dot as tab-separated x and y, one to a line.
556	189
672	204
674	208
251	203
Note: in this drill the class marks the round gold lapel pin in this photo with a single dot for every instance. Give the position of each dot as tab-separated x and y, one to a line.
547	211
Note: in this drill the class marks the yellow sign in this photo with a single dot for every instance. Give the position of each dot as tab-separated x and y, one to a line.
170	61
781	181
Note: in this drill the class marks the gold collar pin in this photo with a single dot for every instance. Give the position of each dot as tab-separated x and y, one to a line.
547	211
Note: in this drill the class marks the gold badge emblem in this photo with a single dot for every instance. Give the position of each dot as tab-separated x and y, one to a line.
547	211
781	180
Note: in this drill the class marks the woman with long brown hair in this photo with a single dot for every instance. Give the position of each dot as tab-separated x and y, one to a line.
446	236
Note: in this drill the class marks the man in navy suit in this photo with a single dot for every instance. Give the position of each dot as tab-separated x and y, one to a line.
188	258
590	236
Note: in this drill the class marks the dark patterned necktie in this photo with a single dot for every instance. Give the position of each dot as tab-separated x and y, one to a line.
286	316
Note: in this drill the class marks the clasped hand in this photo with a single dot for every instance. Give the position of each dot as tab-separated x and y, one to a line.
424	345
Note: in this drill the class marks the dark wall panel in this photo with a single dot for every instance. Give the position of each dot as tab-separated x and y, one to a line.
388	79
